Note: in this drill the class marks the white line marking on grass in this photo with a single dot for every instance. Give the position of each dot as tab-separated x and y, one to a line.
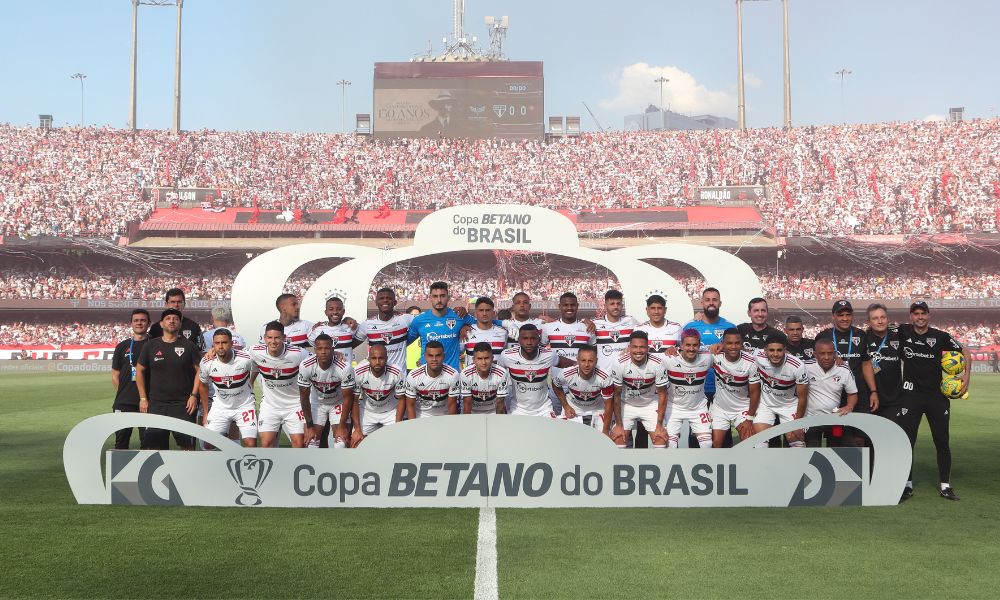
486	556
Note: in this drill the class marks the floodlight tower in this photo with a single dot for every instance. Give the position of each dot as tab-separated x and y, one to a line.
135	53
498	32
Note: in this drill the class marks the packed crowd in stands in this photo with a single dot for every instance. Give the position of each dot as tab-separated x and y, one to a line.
852	179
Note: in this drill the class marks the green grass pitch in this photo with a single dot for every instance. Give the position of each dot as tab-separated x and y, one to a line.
52	547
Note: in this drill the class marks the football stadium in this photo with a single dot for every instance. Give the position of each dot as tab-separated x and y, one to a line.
708	351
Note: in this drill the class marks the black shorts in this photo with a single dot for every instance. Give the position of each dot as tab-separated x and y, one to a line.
158	439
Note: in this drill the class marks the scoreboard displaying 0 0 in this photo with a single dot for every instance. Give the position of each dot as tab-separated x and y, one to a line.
463	100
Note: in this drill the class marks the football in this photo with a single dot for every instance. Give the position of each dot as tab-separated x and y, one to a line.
951	387
952	362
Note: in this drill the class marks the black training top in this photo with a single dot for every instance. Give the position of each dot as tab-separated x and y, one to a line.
170	369
922	358
125	357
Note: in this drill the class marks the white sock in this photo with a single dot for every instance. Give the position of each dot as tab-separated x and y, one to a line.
945	486
909	483
796	444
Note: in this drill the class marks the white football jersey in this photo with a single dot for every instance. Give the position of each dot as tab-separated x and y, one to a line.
483	392
231	380
639	382
777	383
296	334
825	387
495	336
529	378
733	381
566	338
586	396
343	338
513	328
687	380
431	393
392	333
379	393
612	339
327	385
663	337
279	375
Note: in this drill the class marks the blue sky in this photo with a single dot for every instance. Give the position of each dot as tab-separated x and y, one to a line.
251	64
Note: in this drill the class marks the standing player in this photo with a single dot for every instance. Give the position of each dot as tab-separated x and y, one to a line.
378	388
123	365
784	389
296	330
326	391
828	382
189	330
484	330
757	331
231	373
565	336
483	383
223	317
613	330
520	309
711	326
280	407
640	393
686	402
441	324
586	391
432	389
922	346
167	379
387	328
528	365
335	327
882	364
799	346
663	333
737	386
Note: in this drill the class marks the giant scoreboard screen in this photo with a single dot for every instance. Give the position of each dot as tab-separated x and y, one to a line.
451	99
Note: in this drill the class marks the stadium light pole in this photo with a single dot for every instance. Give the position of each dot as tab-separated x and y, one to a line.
343	83
135	64
661	80
843	73
177	73
741	117
788	69
81	77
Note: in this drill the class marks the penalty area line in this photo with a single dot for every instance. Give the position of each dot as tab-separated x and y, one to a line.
486	555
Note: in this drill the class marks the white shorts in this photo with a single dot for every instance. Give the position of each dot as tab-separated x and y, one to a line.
291	420
245	418
698	418
542	411
725	420
321	413
766	414
596	419
371	420
646	414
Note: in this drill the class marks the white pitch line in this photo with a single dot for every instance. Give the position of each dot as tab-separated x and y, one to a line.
486	556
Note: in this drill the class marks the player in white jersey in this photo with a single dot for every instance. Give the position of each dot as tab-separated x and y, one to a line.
784	388
326	391
737	383
687	402
336	328
432	389
613	330
278	364
520	308
528	365
664	334
586	391
387	327
640	392
231	372
378	388
566	336
484	331
828	381
483	384
296	330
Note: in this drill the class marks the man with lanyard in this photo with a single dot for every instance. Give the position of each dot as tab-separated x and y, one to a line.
848	343
922	347
439	323
757	330
799	346
882	365
191	331
711	327
123	363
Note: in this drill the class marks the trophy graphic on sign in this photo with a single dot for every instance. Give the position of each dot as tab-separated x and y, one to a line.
249	473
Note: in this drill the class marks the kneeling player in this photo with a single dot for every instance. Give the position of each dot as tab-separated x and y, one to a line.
280	408
737	385
432	388
784	389
326	391
686	402
483	384
585	392
828	381
232	373
640	393
378	386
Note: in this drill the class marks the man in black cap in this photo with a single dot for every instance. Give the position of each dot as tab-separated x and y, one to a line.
167	379
922	347
848	341
189	330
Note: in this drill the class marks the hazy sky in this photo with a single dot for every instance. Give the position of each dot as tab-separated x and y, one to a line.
251	64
